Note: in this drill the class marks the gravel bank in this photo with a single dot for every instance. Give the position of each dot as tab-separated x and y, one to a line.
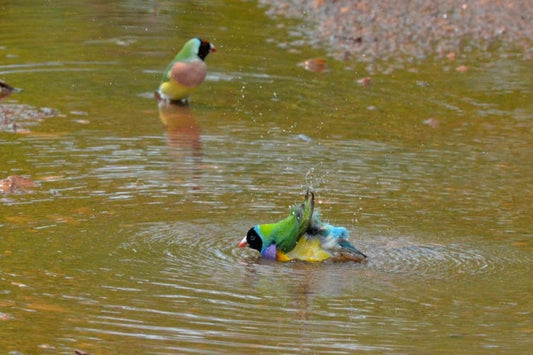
412	29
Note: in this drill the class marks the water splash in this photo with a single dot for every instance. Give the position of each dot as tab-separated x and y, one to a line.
317	176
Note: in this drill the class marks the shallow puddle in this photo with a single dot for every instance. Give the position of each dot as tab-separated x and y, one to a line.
127	242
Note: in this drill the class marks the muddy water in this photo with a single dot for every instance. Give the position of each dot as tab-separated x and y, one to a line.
128	243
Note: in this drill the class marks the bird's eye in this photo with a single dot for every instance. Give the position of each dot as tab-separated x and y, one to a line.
251	237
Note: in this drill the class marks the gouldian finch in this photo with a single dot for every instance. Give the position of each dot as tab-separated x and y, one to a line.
186	71
302	236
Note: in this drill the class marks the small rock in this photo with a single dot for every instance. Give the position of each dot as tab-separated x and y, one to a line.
15	183
432	122
316	65
451	56
365	82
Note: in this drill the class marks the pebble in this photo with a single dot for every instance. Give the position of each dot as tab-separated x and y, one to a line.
404	30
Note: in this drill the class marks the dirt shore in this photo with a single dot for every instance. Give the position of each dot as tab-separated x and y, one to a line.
367	30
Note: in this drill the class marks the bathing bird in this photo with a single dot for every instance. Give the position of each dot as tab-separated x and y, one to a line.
302	236
186	71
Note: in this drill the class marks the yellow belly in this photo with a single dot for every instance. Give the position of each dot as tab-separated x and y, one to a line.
174	91
305	250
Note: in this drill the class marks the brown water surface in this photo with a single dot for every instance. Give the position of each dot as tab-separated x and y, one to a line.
128	243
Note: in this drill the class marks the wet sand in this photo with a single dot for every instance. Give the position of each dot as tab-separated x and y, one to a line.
412	29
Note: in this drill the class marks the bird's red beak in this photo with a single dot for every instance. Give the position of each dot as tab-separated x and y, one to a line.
243	243
212	49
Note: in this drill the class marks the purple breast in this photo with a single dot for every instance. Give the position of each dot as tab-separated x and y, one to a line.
270	252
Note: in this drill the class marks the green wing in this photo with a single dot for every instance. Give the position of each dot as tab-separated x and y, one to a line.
188	53
283	233
288	231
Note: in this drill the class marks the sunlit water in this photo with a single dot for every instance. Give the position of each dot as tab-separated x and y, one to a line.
128	243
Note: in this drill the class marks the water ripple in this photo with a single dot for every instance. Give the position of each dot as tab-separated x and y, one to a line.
442	261
53	66
200	290
188	245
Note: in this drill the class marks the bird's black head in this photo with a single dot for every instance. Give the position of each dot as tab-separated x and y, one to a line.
254	240
205	49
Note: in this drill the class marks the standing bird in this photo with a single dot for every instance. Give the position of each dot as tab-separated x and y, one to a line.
302	236
186	71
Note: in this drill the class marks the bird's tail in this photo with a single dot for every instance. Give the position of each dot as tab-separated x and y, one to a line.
332	236
345	244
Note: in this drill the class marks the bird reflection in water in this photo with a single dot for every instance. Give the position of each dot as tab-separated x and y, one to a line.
182	133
